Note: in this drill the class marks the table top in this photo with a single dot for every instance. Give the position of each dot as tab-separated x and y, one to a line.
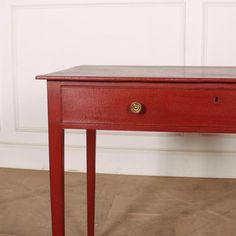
145	74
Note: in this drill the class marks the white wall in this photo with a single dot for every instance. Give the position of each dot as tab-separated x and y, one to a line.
47	35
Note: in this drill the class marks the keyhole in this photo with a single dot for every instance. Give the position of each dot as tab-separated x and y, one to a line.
216	99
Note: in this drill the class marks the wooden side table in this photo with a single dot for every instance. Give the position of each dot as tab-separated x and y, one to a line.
140	98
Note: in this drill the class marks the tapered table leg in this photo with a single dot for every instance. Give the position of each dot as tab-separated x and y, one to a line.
56	153
56	157
91	151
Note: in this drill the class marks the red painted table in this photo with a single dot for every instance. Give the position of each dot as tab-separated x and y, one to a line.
140	98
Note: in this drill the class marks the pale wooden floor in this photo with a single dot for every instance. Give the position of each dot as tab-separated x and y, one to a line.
125	205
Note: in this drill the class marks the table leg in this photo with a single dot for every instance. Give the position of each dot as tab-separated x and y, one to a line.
91	151
56	154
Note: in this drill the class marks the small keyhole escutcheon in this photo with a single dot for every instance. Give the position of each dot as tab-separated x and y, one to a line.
216	100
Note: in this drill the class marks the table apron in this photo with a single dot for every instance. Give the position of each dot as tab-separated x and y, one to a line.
166	107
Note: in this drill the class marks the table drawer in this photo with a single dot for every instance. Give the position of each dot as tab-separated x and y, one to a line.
159	106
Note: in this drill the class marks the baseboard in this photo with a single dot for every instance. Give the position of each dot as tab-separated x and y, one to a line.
127	161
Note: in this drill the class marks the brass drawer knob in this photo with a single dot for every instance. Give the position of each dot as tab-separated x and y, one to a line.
135	107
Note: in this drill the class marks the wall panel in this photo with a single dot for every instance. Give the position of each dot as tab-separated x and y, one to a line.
48	35
219	34
47	38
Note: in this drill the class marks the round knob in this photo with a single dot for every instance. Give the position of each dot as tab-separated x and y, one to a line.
135	107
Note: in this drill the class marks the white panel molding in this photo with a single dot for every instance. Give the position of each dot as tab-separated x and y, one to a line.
24	145
205	8
163	163
219	135
1	75
93	3
22	5
133	149
1	60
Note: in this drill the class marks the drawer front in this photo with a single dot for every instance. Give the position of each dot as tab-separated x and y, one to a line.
159	106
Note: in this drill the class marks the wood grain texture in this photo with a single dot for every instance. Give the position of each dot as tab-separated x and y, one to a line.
145	74
151	206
